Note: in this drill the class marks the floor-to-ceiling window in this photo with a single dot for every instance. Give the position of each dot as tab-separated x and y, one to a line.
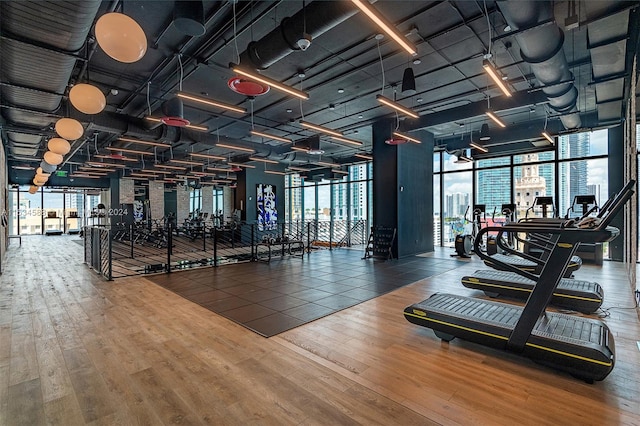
578	165
30	211
53	208
14	211
340	205
457	196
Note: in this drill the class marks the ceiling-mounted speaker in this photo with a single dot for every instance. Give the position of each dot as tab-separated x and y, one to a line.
188	17
408	82
173	111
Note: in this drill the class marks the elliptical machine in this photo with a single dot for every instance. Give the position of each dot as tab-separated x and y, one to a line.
463	242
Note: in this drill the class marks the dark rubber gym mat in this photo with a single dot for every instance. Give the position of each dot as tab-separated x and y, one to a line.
270	298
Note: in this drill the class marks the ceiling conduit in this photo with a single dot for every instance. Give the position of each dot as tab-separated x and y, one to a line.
313	19
541	46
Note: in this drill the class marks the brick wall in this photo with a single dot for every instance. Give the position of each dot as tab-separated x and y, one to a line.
182	201
156	199
126	191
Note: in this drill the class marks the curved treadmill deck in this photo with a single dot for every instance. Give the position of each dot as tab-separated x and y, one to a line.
578	295
580	346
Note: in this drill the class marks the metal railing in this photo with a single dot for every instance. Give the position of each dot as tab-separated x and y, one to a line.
125	250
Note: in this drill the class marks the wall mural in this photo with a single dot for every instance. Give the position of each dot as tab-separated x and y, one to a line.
267	210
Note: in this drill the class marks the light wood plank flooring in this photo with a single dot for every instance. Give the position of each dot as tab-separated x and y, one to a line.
77	350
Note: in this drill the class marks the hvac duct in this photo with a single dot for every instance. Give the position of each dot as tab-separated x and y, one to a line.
541	45
314	19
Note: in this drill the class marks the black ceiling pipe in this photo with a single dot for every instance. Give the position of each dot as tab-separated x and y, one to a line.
541	45
314	19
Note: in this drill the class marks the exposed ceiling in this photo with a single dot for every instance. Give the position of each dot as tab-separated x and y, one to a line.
47	47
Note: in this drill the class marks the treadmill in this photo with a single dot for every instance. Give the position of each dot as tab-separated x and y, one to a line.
578	295
583	347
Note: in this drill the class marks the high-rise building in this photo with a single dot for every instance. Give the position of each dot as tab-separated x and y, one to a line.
529	184
573	174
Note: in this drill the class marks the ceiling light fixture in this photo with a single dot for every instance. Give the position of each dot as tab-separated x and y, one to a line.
384	25
140	142
211	103
409	138
408	87
495	118
248	166
220	169
264	160
298	169
320	129
87	99
130	151
300	148
189	163
167	166
98	164
346	140
268	136
265	80
234	147
274	172
388	102
22	167
119	157
478	146
69	129
484	132
342	172
364	156
121	37
548	137
495	76
213	157
326	164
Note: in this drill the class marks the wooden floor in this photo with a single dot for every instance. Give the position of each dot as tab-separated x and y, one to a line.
77	350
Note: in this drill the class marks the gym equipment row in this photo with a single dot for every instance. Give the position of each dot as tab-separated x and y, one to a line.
583	347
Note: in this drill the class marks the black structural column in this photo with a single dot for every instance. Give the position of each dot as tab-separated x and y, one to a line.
616	182
246	192
403	189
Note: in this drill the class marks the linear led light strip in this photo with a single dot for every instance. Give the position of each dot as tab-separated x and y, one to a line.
346	140
109	157
140	142
388	102
342	172
234	147
190	163
274	172
142	175
188	126
212	103
299	148
320	129
495	118
220	169
22	167
548	137
82	175
97	169
131	151
493	73
248	166
299	169
478	147
363	156
166	166
268	136
407	137
213	157
322	163
98	164
384	25
264	160
270	82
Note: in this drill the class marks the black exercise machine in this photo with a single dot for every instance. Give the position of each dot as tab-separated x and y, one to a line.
509	212
463	243
581	346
